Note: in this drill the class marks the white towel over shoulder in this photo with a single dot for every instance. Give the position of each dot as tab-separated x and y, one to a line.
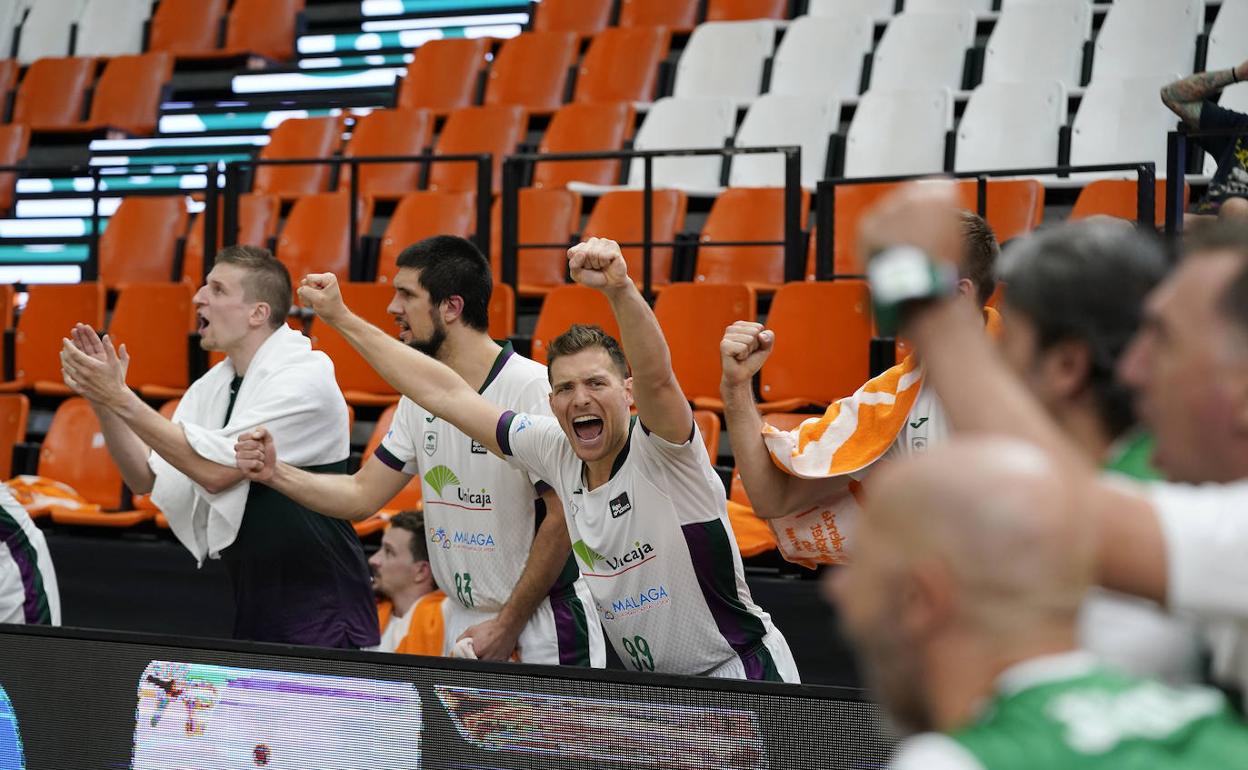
289	389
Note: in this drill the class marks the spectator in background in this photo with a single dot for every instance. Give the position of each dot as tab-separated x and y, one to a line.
1189	98
961	600
409	606
28	592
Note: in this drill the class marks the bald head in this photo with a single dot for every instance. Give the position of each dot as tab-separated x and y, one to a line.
993	515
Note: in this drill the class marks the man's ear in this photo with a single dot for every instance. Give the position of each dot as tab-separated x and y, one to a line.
928	599
451	308
1065	368
261	313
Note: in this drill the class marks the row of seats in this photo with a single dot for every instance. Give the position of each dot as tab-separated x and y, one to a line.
184	28
53	93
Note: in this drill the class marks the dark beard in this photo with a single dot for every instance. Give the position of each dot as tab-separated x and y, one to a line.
431	346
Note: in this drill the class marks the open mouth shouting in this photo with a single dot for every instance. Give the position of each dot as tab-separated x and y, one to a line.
405	331
202	323
588	428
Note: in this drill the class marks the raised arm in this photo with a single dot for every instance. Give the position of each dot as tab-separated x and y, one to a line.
773	493
1185	97
421	378
661	405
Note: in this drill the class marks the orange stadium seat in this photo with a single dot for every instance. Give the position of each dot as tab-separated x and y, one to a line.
52	92
422	215
545	216
264	27
852	201
622	65
257	224
693	317
387	132
745	214
531	70
675	15
496	129
407	499
502	312
708	424
753	534
299	138
144	502
155	321
317	234
139	243
584	17
1014	206
127	95
443	75
74	453
359	383
14	142
567	305
584	128
51	311
741	10
823	336
186	26
619	215
14	409
1116	198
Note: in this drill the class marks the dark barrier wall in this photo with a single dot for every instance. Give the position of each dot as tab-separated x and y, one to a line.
71	700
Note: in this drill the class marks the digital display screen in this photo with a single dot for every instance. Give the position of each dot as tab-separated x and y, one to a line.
88	699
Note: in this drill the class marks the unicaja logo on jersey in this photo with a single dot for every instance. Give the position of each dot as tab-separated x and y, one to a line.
442	478
597	565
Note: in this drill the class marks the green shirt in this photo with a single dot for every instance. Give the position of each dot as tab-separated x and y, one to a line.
1132	456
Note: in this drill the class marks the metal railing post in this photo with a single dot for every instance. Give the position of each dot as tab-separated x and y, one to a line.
212	210
91	272
1146	195
353	267
647	228
825	213
794	265
511	226
1176	162
485	191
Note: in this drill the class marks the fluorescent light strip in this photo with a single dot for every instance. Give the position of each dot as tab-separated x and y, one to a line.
47	228
40	274
441	22
259	121
149	161
34	255
400	7
85	184
165	142
282	82
64	207
371	60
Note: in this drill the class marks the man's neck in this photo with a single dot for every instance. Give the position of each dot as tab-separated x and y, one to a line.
241	355
405	600
471	354
1079	420
598	472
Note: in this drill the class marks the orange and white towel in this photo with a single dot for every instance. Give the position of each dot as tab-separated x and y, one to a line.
39	495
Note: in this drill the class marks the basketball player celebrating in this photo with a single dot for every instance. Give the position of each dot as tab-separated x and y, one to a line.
645	510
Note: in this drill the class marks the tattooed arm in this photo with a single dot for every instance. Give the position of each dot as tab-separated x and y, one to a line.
1185	97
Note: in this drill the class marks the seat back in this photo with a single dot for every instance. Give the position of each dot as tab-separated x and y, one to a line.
139	243
823	336
833	46
620	215
127	95
622	65
684	123
531	70
584	128
154	321
298	138
369	301
502	311
708	425
1117	198
317	234
923	50
880	11
51	311
14	142
186	26
52	92
422	215
744	10
693	318
1007	125
443	75
111	27
851	202
74	453
925	6
1225	48
1014	207
775	120
1038	42
14	409
567	305
1122	122
266	27
674	15
899	132
545	216
745	214
1139	38
496	129
409	497
725	59
584	17
257	225
387	132
45	32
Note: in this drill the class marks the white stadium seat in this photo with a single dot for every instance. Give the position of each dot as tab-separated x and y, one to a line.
1226	36
725	59
977	7
46	29
1011	125
1147	37
112	27
878	10
1235	98
899	132
1039	41
833	46
777	120
684	123
1122	122
10	14
923	50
